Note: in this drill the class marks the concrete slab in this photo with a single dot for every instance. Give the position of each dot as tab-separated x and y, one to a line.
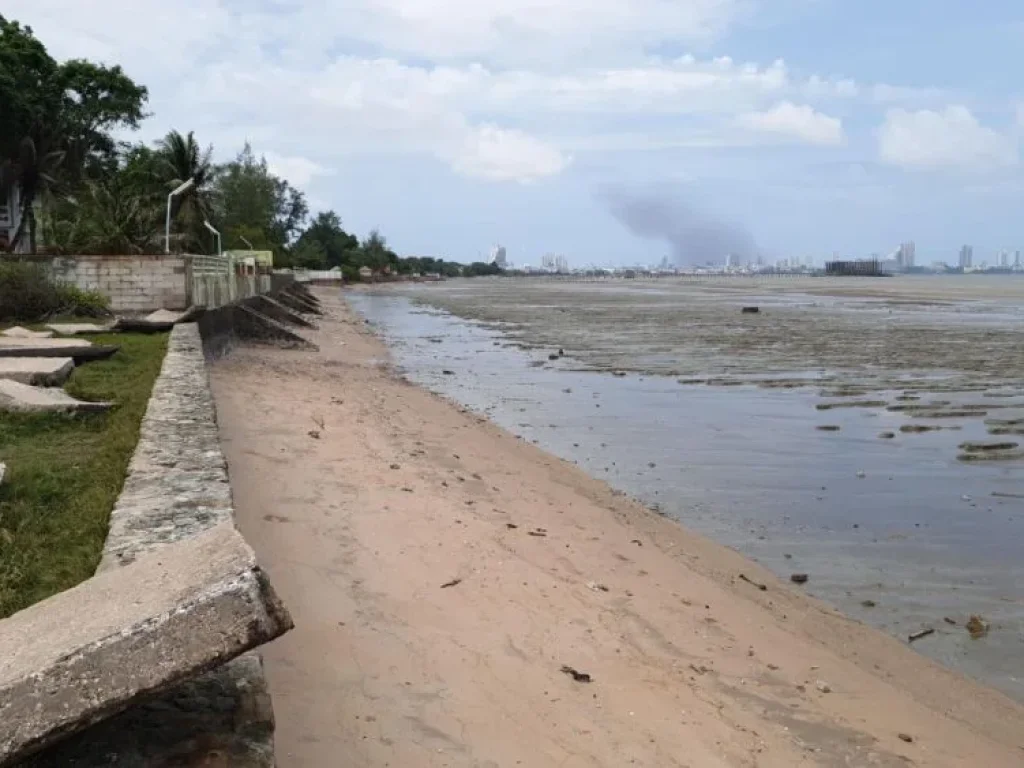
75	329
91	652
78	349
15	396
37	371
170	316
17	332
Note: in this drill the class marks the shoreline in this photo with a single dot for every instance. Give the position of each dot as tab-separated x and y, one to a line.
388	666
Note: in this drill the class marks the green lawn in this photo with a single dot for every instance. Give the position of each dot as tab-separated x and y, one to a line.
64	474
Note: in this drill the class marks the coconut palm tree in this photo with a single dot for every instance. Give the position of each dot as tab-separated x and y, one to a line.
181	159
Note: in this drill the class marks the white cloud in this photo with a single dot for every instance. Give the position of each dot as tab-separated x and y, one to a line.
952	138
498	154
799	122
298	170
496	89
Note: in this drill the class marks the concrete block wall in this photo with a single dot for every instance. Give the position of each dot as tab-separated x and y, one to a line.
132	283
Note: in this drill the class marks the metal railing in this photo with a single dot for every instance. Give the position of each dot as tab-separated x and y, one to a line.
214	281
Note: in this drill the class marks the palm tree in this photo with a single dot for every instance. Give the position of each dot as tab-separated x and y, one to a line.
33	173
182	159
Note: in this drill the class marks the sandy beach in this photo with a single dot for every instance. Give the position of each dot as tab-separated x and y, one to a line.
448	579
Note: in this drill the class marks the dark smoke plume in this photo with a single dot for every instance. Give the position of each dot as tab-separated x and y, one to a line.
662	213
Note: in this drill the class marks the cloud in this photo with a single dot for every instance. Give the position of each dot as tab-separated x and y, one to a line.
952	138
298	170
498	154
799	122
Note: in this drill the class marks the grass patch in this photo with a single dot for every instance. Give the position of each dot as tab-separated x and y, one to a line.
64	473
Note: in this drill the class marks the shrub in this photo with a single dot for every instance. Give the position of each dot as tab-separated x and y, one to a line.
26	291
27	294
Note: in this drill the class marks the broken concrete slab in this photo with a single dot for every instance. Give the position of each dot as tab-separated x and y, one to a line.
76	329
37	371
93	651
171	316
18	332
222	327
15	396
79	350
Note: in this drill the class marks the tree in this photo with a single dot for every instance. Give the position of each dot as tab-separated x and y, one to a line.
180	158
252	202
339	247
55	120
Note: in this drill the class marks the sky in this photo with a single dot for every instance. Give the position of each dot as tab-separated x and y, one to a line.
610	131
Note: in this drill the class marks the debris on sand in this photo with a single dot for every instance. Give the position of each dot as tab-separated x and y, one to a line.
597	587
452	583
538	533
799	578
575	674
906	737
951	622
511	526
314	433
915	636
637	542
762	587
977	626
822	686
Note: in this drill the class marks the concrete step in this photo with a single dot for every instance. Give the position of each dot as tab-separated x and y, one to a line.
87	654
76	329
15	396
17	332
37	371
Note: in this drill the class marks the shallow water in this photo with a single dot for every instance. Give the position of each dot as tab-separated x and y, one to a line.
899	522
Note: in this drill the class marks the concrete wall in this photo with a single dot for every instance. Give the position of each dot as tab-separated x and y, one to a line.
132	283
177	486
217	290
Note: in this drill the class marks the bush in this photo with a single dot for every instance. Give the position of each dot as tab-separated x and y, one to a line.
27	294
72	300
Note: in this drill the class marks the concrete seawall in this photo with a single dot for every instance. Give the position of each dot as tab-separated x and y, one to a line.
177	486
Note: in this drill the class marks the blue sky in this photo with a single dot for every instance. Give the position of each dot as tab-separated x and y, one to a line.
802	127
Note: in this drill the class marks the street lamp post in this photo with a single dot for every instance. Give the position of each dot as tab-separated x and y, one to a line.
167	231
210	227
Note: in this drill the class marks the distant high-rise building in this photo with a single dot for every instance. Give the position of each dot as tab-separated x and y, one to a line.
1004	258
966	257
1016	260
906	255
499	257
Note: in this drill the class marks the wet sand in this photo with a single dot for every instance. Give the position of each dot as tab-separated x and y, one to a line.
442	572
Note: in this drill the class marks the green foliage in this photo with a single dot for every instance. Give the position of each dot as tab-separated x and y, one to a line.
254	204
55	120
74	301
65	472
27	294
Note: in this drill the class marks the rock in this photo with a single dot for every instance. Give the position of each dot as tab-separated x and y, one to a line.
887	435
446	372
988	445
977	626
822	686
799	578
37	371
868	603
129	632
15	396
553	357
750	310
906	737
